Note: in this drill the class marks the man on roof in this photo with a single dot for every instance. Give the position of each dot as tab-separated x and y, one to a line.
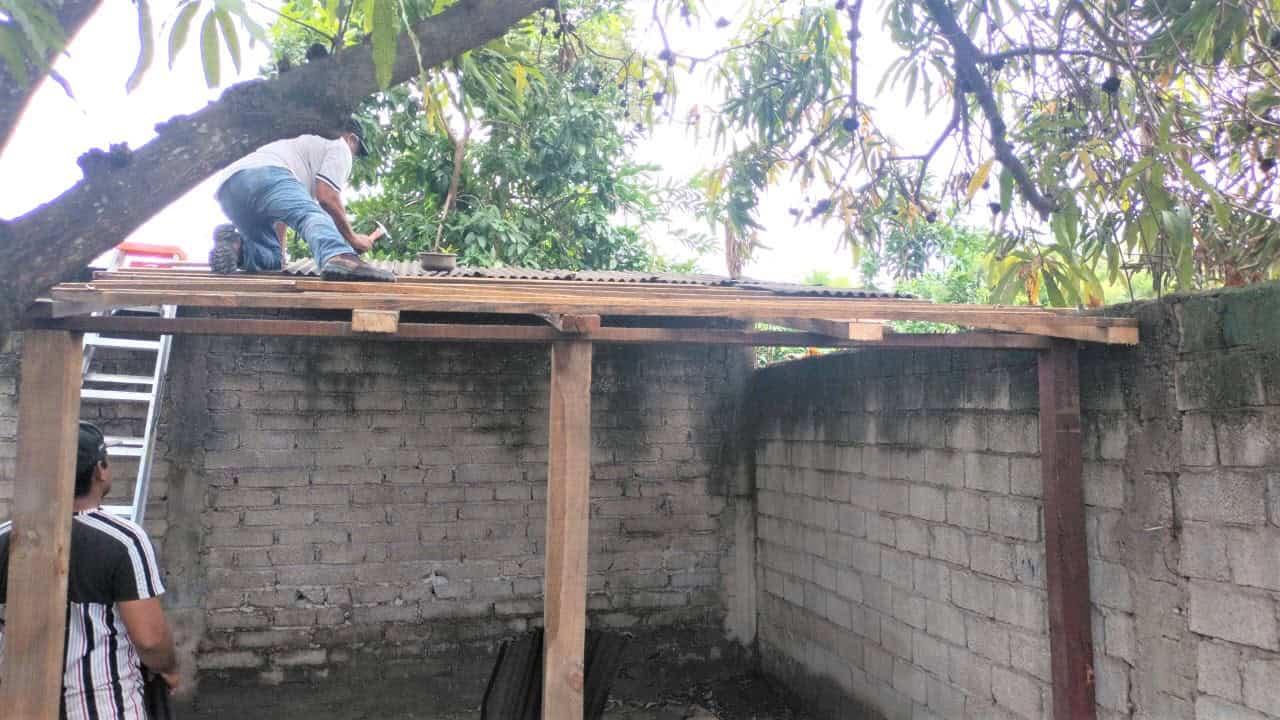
296	183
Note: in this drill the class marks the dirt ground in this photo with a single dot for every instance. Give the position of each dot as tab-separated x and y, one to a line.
666	678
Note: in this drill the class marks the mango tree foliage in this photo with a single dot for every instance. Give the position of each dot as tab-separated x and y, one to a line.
1103	137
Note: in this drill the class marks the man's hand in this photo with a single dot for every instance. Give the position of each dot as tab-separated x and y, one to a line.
364	243
172	679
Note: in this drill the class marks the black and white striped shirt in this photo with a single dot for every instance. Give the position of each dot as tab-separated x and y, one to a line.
112	560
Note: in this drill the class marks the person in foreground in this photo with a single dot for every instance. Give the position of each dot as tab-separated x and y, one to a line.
115	624
295	183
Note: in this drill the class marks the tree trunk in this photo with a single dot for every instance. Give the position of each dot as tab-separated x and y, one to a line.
122	189
14	96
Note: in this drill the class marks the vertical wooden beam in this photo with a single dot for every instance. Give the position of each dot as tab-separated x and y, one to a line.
40	541
568	495
1066	554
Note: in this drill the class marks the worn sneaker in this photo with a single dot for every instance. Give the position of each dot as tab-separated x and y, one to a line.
349	268
224	258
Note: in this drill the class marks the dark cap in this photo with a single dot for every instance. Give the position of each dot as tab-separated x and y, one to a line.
92	448
353	127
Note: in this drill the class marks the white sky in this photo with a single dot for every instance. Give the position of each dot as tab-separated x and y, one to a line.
40	160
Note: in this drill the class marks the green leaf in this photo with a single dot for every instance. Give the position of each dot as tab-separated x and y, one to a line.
11	42
386	31
1006	188
230	36
181	27
146	48
210	50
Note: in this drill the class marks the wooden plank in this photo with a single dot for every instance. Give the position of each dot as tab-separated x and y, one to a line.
1066	554
451	332
573	324
40	540
838	329
568	492
375	321
721	306
1082	331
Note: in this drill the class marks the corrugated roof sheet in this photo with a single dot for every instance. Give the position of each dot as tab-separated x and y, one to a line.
412	269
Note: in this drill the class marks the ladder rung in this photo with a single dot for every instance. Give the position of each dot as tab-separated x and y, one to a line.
124	511
115	396
122	446
122	343
94	377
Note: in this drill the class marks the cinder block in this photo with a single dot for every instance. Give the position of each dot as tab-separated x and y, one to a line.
945	621
969	672
1013	517
1030	654
1014	433
1229	613
896	568
1254	558
1222	496
909	609
1249	439
1203	552
1118	629
1020	606
1110	585
967	432
992	557
1262	685
932	579
1104	485
1111	687
929	653
949	544
1024	476
1199	441
908	680
1212	708
928	502
1218	670
912	536
967	509
944	467
895	638
1016	692
984	471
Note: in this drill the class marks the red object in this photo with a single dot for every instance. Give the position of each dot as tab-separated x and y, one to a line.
136	254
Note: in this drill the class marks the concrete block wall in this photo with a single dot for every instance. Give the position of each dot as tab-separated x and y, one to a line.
1184	519
900	556
371	504
900	534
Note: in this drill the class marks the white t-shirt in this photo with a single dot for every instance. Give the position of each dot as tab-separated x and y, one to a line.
308	157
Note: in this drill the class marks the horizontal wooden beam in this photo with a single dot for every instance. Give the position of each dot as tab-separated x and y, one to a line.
838	329
447	332
721	306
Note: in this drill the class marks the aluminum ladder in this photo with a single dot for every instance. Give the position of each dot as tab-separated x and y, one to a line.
142	389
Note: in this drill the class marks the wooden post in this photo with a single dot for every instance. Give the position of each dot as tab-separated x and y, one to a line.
568	495
1066	554
40	541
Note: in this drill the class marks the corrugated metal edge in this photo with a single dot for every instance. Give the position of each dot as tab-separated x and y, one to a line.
307	267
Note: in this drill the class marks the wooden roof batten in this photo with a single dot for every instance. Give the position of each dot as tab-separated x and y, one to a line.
558	309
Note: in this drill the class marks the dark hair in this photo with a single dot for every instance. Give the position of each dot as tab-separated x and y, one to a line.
90	452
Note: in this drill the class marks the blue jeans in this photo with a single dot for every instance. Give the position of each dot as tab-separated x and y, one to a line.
256	198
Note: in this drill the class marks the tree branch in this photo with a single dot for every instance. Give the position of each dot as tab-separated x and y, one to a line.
967	58
14	96
121	190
